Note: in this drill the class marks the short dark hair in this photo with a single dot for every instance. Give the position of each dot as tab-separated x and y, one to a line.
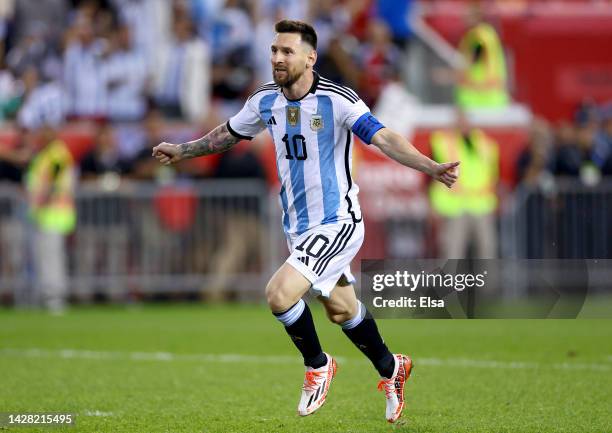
304	29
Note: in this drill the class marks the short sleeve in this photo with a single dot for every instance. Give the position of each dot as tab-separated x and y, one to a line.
357	117
246	123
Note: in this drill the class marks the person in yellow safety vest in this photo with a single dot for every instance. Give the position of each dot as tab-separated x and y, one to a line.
50	183
467	210
483	81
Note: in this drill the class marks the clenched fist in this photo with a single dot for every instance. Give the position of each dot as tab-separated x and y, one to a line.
167	153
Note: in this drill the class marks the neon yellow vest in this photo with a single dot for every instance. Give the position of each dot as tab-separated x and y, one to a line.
474	191
50	183
492	66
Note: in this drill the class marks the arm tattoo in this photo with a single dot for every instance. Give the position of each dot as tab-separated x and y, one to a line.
216	141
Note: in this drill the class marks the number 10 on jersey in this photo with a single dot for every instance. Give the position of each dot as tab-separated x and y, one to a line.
297	148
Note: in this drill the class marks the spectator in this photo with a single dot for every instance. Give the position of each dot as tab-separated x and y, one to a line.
181	80
603	140
34	50
11	92
575	160
483	82
49	15
567	156
142	166
203	13
13	162
50	182
468	209
126	78
379	60
7	9
11	166
263	33
150	22
360	12
575	153
233	69
101	12
534	169
333	59
534	166
102	233
104	160
83	72
331	20
397	15
42	102
590	164
231	30
105	20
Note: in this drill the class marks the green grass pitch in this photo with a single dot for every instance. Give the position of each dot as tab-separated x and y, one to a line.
192	368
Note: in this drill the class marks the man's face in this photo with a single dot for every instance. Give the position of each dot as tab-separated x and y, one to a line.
290	58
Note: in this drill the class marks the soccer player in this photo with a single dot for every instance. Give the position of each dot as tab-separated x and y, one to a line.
312	121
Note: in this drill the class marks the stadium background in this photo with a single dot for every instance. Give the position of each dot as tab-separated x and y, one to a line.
209	229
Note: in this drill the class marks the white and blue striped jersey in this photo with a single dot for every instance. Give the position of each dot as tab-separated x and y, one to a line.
314	146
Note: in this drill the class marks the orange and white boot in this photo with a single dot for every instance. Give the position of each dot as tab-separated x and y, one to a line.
394	387
316	386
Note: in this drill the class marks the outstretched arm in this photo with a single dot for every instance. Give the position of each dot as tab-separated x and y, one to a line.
216	141
401	150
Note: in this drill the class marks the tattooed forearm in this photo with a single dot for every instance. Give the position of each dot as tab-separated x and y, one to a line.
216	141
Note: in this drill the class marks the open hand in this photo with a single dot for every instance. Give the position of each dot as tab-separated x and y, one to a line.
167	153
446	173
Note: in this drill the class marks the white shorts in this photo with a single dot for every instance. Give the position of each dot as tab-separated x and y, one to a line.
324	253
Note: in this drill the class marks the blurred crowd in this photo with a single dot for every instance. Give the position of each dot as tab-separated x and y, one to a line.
109	59
580	149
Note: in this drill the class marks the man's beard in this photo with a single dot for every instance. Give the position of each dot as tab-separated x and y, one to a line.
289	80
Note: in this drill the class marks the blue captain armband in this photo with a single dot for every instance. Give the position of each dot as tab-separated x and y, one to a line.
366	126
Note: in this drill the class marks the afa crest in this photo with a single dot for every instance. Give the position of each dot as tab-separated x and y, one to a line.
293	115
316	122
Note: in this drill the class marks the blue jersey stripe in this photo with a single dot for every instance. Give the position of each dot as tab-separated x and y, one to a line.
265	110
296	168
265	107
327	166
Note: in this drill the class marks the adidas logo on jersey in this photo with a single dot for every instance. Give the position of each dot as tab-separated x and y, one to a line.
272	121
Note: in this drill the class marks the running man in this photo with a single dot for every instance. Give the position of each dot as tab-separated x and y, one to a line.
312	120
